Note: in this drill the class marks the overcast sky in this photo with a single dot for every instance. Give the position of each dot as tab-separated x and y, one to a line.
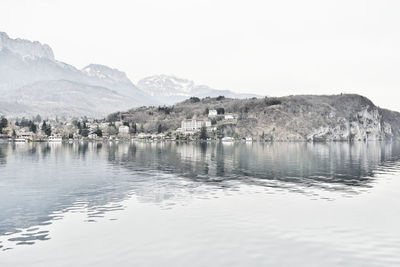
266	47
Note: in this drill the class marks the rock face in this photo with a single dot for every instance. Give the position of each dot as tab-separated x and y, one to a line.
367	124
327	118
25	48
170	89
344	117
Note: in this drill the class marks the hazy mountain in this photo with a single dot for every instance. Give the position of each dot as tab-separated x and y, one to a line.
30	76
33	82
66	98
170	89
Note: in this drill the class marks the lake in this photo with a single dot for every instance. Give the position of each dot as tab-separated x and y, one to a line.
215	204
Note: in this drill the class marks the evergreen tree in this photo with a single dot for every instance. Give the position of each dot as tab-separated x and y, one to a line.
133	128
99	132
47	131
85	132
159	129
220	133
220	111
3	124
203	133
33	127
46	128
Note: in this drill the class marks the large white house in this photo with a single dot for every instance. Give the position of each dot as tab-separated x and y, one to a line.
123	130
212	113
194	125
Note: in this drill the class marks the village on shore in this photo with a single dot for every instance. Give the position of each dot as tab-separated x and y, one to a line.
37	129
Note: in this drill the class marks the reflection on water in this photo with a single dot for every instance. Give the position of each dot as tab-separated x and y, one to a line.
40	182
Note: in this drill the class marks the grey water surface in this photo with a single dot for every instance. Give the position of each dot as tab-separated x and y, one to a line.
209	204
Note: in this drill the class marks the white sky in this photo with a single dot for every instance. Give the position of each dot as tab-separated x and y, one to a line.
266	47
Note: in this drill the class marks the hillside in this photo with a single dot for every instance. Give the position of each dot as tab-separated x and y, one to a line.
291	118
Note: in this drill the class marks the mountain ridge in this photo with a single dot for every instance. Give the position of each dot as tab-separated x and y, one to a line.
26	64
173	89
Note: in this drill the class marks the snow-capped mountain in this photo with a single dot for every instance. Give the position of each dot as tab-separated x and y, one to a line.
106	73
33	82
25	65
166	86
169	89
25	48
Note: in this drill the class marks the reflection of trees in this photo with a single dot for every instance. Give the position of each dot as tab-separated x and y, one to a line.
55	178
305	164
3	155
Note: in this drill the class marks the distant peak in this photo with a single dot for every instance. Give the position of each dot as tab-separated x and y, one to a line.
25	48
106	73
166	85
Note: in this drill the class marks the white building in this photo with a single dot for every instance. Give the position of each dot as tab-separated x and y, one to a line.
212	113
194	125
123	130
92	136
229	116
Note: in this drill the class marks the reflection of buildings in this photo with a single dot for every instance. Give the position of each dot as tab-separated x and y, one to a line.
336	166
99	174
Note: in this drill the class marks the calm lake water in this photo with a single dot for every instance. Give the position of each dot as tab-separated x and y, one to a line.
168	204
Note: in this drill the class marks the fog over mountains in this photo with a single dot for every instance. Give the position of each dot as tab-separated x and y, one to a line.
33	82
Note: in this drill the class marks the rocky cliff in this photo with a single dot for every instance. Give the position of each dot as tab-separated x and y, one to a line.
292	118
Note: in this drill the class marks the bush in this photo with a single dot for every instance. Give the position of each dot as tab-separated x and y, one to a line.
220	111
194	99
272	101
166	110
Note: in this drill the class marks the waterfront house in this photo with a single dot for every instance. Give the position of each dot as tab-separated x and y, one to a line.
92	136
123	130
143	136
228	139
194	125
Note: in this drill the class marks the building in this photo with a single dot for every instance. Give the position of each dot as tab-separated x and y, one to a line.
92	136
123	130
194	125
212	113
27	135
229	117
